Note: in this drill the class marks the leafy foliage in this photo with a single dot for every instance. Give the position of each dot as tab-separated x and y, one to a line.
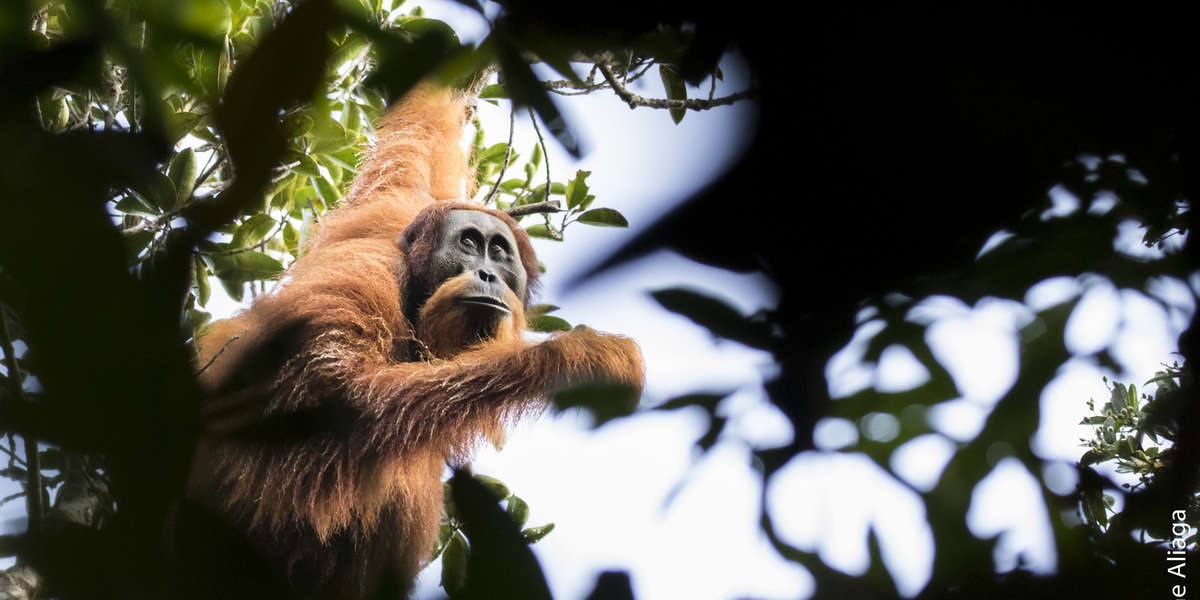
1136	433
156	146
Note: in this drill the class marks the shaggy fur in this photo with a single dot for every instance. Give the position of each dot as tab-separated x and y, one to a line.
332	415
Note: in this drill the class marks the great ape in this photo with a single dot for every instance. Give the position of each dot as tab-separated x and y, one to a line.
393	346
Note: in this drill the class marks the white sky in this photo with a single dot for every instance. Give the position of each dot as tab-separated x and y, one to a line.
607	491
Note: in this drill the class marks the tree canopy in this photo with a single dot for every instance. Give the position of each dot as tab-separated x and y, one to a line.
155	146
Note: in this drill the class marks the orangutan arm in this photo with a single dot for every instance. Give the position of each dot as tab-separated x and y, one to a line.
407	405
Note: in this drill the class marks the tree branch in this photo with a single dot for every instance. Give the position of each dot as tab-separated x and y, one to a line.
33	465
545	206
634	100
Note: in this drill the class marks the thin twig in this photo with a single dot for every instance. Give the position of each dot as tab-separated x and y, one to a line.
512	120
33	463
217	159
634	100
545	157
546	206
217	355
556	86
13	459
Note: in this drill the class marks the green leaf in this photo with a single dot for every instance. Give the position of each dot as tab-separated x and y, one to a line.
676	90
603	217
182	173
494	486
159	191
454	563
493	154
136	242
716	316
193	319
200	18
331	166
329	195
352	119
444	533
133	204
540	231
347	158
1118	399
494	90
533	534
234	289
297	125
203	289
180	124
605	401
357	9
535	157
548	323
349	50
511	185
285	195
252	231
329	135
577	189
291	239
517	510
240	267
540	309
306	167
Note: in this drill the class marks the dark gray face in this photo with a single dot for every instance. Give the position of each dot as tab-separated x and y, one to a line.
476	242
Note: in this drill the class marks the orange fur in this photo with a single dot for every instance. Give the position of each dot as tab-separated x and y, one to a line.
331	417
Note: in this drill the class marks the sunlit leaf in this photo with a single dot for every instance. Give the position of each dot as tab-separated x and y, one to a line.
547	323
604	217
182	173
454	563
518	510
675	88
540	231
577	189
200	272
533	534
253	230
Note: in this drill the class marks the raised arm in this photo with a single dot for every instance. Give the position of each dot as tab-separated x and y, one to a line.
410	405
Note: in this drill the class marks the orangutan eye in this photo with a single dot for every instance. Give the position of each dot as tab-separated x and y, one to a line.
467	240
499	247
